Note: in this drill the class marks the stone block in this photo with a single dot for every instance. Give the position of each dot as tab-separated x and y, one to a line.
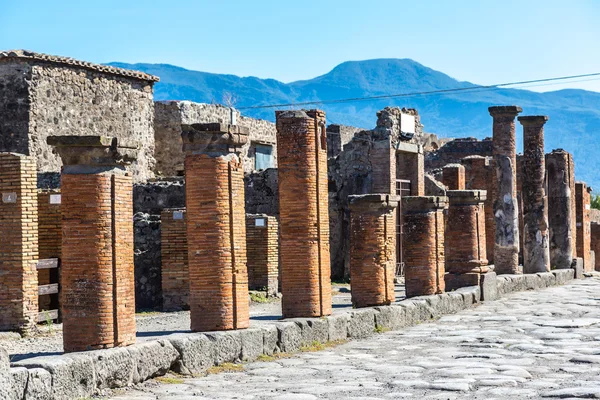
577	266
361	323
338	326
312	330
114	367
471	295
456	281
532	281
423	311
489	287
390	317
457	302
227	346
72	375
564	275
252	344
39	385
270	339
152	359
290	336
18	383
547	279
196	353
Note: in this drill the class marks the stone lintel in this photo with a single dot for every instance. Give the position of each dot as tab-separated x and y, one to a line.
373	201
533	120
403	147
505	111
213	139
417	204
94	151
466	196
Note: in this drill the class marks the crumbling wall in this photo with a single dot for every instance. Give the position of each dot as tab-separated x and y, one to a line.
15	105
337	137
457	149
169	115
147	261
262	192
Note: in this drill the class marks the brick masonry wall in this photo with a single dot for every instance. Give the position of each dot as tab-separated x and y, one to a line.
19	250
372	254
595	242
174	250
304	220
49	238
216	233
424	253
455	150
262	246
453	176
582	200
97	303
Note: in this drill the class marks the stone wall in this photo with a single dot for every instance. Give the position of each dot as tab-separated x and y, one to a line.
455	150
52	96
262	192
169	116
337	137
147	261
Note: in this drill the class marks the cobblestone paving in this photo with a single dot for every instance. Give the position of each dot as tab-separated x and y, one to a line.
543	344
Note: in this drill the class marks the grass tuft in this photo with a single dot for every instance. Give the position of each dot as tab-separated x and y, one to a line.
225	367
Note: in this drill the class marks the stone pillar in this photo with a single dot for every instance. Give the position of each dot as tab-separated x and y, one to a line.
560	211
481	175
465	238
536	236
506	210
453	176
97	277
262	242
595	241
424	256
175	275
372	249
582	200
303	215
19	245
216	227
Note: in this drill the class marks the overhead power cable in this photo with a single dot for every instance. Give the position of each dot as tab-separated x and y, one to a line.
430	92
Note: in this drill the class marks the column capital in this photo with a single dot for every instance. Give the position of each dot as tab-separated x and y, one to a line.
419	204
505	111
213	138
95	151
533	120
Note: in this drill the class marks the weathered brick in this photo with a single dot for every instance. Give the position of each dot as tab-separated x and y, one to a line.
174	255
453	176
262	244
582	201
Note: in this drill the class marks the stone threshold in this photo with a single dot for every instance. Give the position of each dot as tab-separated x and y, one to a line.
79	375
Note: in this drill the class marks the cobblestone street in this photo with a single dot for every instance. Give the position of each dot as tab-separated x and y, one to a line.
543	344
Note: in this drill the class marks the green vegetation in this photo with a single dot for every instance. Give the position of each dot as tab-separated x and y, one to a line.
225	367
595	201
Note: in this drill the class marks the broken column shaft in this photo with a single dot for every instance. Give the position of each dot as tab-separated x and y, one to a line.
506	210
561	219
372	249
582	199
216	228
304	215
536	249
424	244
97	273
453	176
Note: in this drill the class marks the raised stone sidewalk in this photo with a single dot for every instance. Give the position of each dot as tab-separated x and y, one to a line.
79	375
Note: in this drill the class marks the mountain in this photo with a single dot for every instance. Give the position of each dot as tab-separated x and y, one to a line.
574	123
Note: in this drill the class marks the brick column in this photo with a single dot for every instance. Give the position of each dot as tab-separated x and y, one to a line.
19	243
262	242
465	243
175	276
372	249
595	242
506	210
304	215
49	241
424	244
561	218
453	176
216	228
582	200
97	278
536	236
480	175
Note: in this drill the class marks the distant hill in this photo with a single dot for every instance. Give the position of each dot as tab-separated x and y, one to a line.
574	114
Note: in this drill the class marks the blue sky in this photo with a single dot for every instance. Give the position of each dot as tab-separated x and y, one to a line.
481	41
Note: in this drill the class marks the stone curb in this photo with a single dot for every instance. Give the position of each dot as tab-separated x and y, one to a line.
77	375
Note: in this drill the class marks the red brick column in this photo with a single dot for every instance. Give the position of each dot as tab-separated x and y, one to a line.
216	228
582	200
19	242
536	235
595	242
174	255
97	278
561	219
506	210
453	176
372	249
262	243
466	256
304	215
424	255
480	175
